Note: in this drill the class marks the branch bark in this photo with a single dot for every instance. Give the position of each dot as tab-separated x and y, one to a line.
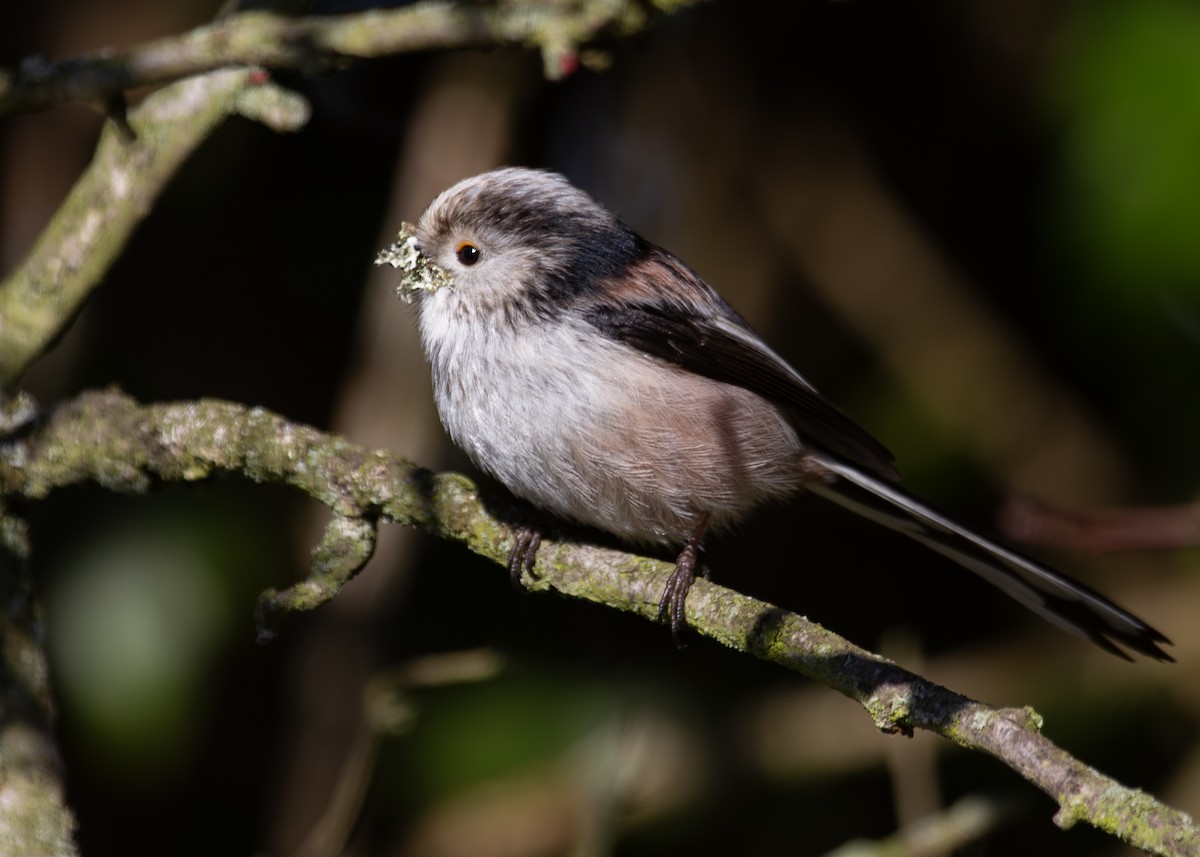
317	43
107	438
36	819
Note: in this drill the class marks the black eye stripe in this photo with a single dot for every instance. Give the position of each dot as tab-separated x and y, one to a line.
467	253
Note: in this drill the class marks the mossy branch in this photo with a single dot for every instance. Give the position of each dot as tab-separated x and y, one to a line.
109	439
560	30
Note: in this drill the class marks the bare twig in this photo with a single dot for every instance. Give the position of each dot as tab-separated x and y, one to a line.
388	710
944	832
109	439
560	30
1033	521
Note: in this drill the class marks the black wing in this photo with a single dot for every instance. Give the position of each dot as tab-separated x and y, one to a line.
702	347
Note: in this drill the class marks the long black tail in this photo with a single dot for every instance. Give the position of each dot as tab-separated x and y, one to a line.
1064	602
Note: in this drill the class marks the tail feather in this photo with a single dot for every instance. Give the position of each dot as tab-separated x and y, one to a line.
1066	603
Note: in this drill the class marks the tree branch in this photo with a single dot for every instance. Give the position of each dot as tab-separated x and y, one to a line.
37	821
559	29
107	438
113	196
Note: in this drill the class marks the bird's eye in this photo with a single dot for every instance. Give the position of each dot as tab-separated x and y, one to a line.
467	253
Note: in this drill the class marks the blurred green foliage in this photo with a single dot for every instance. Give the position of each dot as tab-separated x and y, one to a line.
1127	90
140	614
474	733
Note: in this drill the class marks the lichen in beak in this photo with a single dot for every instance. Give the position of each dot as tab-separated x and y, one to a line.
420	272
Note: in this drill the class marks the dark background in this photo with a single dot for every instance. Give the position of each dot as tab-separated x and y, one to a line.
972	224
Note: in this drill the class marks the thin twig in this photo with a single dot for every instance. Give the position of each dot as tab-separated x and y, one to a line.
319	43
1027	519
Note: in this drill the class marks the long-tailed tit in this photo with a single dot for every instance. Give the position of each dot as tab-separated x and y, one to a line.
598	377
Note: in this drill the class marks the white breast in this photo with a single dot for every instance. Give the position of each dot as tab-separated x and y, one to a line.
590	430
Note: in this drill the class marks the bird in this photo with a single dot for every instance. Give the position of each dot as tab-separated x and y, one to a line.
598	377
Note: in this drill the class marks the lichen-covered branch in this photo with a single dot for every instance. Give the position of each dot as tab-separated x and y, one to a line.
107	438
559	29
114	194
36	819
